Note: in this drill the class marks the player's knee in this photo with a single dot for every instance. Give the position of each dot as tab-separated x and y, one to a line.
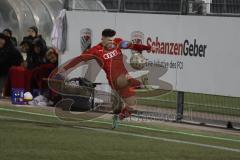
122	81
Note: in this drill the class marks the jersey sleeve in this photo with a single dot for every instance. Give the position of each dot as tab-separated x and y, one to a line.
85	56
139	47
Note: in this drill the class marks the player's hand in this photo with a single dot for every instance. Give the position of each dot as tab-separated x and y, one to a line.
61	70
125	44
60	74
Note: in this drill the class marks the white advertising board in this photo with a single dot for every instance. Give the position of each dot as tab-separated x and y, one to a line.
200	54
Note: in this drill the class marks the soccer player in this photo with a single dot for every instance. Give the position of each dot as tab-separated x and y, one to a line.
109	56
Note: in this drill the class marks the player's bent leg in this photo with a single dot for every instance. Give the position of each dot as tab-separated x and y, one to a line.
134	83
125	80
127	94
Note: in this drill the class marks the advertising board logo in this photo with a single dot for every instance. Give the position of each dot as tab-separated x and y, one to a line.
190	48
85	38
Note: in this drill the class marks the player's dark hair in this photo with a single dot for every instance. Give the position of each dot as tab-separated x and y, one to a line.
108	33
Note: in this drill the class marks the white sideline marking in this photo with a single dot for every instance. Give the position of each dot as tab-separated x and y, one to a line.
141	136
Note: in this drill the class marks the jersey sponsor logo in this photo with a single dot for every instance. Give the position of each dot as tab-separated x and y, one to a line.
111	54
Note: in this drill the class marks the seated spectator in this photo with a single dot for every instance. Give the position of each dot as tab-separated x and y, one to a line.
10	56
26	47
44	70
52	56
8	33
21	77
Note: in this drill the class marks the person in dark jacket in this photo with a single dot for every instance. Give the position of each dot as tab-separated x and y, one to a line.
32	34
8	33
10	56
39	50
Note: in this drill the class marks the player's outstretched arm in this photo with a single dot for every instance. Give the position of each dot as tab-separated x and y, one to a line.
85	56
66	68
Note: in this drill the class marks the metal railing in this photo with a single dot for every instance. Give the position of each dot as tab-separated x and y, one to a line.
194	107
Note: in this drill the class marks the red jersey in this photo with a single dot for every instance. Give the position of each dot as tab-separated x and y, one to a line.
111	61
